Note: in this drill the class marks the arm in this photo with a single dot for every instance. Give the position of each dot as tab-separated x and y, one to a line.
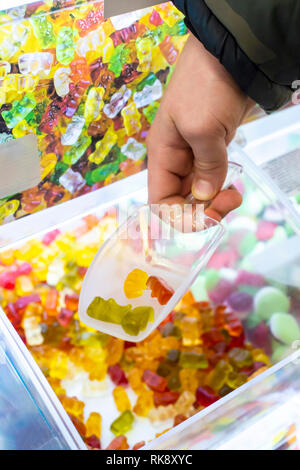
213	87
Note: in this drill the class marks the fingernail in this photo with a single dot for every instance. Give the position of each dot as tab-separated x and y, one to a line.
203	190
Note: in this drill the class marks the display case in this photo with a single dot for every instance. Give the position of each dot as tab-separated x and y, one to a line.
248	295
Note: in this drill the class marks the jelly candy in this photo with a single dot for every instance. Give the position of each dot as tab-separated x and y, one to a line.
118	58
165	398
135	283
219	375
19	111
73	131
35	63
123	423
154	381
132	119
133	150
149	94
240	357
240	302
205	396
94	104
285	328
117	375
72	181
103	147
144	403
43	31
270	300
77	151
117	102
65	47
119	443
137	320
93	425
62	81
193	360
93	442
107	310
121	399
144	53
160	289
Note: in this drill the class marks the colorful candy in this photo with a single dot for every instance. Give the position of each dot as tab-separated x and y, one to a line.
199	354
68	74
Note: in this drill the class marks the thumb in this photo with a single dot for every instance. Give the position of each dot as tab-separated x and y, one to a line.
210	168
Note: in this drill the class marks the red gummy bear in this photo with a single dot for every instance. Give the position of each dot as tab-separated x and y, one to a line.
205	396
154	381
117	375
165	398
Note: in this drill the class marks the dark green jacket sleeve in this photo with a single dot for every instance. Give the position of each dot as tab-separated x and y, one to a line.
258	42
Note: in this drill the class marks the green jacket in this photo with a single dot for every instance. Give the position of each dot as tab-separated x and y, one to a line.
258	42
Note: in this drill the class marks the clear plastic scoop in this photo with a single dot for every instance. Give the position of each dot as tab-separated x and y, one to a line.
169	257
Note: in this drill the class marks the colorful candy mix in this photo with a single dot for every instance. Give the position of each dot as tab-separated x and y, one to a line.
87	87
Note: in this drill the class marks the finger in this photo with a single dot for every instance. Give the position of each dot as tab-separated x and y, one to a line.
210	167
225	202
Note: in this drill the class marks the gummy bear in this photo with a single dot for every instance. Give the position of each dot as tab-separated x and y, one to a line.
160	289
121	399
107	310
119	443
154	381
135	283
123	423
137	320
93	425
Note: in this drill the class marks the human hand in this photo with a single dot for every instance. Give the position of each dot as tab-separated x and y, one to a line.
187	144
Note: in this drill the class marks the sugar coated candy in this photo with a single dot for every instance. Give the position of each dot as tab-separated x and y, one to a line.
270	300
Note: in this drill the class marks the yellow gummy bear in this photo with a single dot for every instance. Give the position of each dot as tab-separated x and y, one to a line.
94	104
103	147
135	283
132	119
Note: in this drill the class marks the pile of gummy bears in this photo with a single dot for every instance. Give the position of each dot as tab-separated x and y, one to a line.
87	87
196	356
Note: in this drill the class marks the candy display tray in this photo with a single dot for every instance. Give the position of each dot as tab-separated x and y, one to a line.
232	413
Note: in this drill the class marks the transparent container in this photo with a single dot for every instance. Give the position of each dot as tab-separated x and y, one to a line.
169	254
31	417
261	415
261	249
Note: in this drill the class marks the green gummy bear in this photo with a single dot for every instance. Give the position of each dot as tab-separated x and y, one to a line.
118	59
100	174
193	360
43	31
18	112
123	423
107	310
137	320
65	48
78	150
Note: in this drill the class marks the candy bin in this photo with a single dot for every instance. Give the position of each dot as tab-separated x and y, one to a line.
226	359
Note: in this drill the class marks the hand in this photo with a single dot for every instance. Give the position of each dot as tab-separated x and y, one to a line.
187	144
